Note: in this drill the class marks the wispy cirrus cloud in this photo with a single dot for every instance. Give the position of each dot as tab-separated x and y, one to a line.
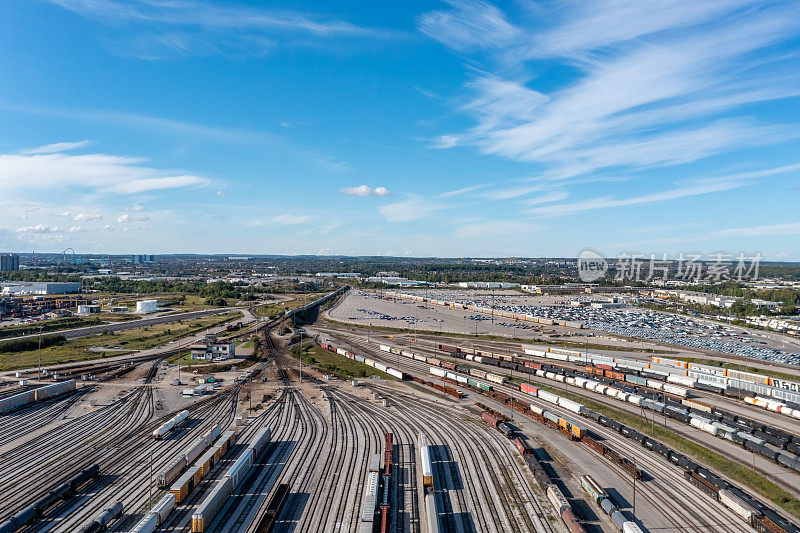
97	172
648	84
151	29
288	219
55	147
684	190
413	208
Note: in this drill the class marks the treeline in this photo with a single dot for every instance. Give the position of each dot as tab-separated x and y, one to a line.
25	345
217	291
50	325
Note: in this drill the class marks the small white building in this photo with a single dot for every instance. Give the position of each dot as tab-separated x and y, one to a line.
146	306
211	348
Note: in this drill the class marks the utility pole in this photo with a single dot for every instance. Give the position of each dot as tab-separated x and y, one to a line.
301	356
634	489
150	485
39	375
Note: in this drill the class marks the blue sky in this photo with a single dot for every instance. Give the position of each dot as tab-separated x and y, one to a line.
459	128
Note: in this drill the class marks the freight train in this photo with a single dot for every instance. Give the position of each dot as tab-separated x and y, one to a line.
669	400
205	513
36	395
38	508
777	523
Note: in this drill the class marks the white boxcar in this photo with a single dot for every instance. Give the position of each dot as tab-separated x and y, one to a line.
557	499
240	468
172	471
260	442
164	506
370	498
206	511
147	524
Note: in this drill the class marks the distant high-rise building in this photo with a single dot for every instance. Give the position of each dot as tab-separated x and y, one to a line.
9	262
143	258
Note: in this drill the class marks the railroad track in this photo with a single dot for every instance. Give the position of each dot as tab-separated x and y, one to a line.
681	503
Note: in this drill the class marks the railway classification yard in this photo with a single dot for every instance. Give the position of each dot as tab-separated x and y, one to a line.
566	425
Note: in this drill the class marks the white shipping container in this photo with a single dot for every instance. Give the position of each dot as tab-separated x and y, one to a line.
548	396
436	371
396	373
736	505
575	407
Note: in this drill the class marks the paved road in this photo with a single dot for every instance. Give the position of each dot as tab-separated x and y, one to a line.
131	324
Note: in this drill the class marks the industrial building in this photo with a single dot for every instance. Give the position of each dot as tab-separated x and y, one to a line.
9	262
146	306
211	348
37	287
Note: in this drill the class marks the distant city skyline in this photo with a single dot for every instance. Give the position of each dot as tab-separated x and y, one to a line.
457	128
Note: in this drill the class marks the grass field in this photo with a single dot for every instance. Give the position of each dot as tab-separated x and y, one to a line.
114	343
330	362
732	471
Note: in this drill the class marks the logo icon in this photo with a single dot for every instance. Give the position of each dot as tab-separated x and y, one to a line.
591	266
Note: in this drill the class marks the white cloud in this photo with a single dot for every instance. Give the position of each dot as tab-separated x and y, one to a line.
760	231
98	172
39	228
55	148
155	184
64	214
151	30
291	220
628	103
365	190
136	207
83	217
407	210
122	219
696	188
221	194
470	24
74	229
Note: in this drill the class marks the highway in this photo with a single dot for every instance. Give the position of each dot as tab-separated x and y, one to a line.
86	331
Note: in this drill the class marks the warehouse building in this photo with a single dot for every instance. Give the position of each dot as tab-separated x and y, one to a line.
36	287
